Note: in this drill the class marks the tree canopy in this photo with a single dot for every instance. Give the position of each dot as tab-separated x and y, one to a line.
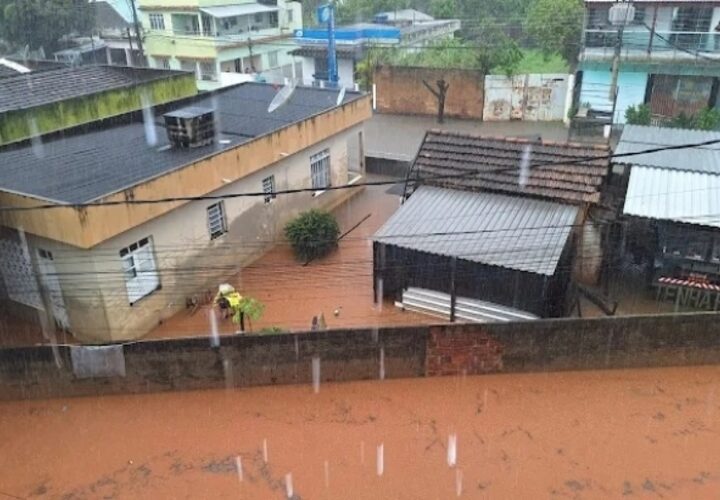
42	23
556	26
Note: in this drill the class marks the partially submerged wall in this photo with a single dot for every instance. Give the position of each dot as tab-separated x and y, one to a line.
401	90
250	360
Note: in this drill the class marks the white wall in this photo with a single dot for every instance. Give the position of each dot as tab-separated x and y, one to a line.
182	241
346	72
308	69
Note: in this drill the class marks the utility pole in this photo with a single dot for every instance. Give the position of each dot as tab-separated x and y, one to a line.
250	47
137	33
129	35
620	15
326	14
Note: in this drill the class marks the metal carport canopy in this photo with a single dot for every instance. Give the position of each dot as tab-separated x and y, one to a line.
513	232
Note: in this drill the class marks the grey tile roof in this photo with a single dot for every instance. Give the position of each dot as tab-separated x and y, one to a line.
39	88
85	167
494	164
507	231
675	195
701	159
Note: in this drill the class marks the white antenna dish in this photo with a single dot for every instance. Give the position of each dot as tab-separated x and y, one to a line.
282	96
341	97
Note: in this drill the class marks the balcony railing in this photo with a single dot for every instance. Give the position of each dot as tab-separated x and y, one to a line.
661	44
222	36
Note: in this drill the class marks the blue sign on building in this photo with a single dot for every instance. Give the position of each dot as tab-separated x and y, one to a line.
323	13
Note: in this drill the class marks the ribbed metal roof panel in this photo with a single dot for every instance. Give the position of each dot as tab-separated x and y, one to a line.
698	159
681	196
512	232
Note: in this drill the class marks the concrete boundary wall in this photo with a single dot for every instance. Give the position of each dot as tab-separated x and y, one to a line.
344	355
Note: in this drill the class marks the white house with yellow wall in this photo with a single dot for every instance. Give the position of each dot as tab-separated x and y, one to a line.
222	40
108	270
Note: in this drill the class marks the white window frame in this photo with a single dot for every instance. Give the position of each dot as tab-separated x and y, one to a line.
289	16
216	220
268	187
139	269
208	71
163	62
320	171
157	22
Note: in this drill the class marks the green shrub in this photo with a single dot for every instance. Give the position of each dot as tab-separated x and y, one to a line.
638	115
312	234
268	330
708	119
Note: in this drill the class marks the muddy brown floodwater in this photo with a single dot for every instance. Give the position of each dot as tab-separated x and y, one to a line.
613	434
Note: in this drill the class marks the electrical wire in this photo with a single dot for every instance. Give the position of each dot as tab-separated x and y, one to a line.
174	199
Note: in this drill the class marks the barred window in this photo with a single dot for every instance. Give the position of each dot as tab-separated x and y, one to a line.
217	223
320	169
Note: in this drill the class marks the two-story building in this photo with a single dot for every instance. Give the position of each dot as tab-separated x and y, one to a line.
222	41
669	57
354	41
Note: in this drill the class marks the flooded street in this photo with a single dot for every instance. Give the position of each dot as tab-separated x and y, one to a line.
638	434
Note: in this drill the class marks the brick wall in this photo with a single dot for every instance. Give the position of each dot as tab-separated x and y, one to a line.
400	90
240	361
462	350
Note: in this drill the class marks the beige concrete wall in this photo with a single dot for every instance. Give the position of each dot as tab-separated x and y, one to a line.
189	262
79	280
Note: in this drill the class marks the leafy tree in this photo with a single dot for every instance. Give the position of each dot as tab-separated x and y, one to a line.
638	115
443	9
353	11
42	23
708	119
556	26
312	234
498	52
365	69
495	49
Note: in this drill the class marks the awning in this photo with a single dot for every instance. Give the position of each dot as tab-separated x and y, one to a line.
675	195
237	10
514	232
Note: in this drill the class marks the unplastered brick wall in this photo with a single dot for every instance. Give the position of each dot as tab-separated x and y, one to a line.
400	90
462	350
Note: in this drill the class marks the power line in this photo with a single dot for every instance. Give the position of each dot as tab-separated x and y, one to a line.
175	199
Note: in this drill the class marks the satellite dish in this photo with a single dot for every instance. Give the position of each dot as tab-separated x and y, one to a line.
282	96
341	97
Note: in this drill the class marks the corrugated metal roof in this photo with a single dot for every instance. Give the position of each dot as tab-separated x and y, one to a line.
681	196
699	159
512	232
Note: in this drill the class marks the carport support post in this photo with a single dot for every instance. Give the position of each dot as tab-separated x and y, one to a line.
453	291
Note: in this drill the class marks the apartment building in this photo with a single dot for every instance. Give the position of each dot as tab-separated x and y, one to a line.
669	57
222	41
